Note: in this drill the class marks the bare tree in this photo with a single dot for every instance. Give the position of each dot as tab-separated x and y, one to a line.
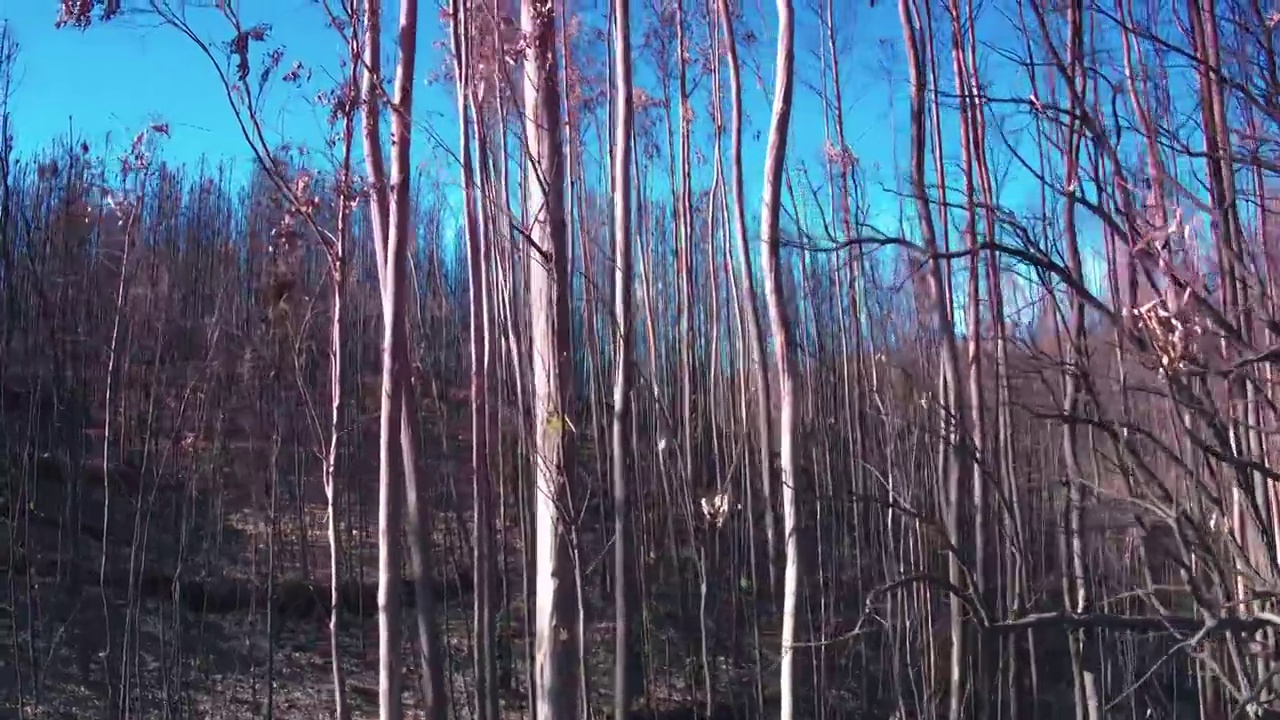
784	361
620	431
746	278
9	48
482	540
1045	491
555	616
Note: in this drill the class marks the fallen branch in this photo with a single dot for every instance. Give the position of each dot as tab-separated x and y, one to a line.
1140	624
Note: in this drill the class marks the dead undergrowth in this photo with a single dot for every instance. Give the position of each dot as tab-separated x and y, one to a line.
197	606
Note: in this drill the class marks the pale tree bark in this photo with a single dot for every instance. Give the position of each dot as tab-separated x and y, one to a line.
1251	514
337	269
966	87
484	689
839	163
371	130
1234	291
620	449
342	710
390	491
1001	468
747	317
397	445
951	453
555	618
684	250
389	223
754	331
389	702
784	360
584	409
1075	583
949	412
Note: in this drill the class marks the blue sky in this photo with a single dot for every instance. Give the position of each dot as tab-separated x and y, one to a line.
115	78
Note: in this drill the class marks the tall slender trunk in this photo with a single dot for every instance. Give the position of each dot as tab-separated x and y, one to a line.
342	709
966	84
555	618
390	490
485	691
747	320
755	333
389	701
784	359
338	269
114	704
950	452
620	451
1076	355
390	225
684	250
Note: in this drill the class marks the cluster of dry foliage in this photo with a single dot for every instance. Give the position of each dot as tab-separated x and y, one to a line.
636	441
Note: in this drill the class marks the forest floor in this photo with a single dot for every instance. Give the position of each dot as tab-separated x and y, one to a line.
181	590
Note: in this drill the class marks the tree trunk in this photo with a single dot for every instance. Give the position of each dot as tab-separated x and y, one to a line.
555	618
390	225
485	697
784	360
950	451
623	536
